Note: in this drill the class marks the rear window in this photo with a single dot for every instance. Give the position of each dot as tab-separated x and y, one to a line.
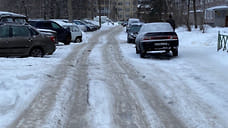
156	27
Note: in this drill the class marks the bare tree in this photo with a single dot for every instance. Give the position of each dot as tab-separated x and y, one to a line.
195	16
99	11
202	26
188	25
70	11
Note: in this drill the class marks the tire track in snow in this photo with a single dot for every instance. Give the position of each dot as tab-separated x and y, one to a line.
137	94
44	110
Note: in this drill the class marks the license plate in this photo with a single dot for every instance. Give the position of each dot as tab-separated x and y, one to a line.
160	44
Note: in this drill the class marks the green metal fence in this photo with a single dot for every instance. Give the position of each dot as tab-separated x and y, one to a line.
222	42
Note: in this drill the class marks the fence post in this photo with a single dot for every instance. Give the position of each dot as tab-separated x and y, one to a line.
219	41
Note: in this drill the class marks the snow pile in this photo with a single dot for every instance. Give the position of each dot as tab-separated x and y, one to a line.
22	79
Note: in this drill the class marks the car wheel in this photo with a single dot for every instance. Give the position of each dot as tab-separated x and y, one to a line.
128	40
175	52
37	52
136	49
68	40
142	53
78	40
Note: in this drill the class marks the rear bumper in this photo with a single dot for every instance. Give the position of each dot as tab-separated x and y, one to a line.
159	45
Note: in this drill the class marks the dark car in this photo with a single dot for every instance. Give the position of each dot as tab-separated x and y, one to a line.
62	34
133	32
9	17
24	40
158	36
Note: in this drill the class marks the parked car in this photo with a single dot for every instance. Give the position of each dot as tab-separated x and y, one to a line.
49	33
133	32
93	25
24	40
62	34
89	27
9	17
130	21
124	24
76	33
156	36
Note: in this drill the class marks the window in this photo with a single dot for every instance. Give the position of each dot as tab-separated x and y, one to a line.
44	25
20	20
7	19
33	32
20	31
55	26
4	31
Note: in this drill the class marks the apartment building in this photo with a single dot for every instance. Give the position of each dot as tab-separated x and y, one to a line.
118	9
126	9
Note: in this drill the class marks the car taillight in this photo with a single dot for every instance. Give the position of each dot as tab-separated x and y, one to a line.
52	39
146	38
173	37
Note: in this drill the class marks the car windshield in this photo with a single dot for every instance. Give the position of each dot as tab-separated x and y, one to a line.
156	27
135	28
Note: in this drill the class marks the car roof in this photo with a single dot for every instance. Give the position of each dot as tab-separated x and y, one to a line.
62	23
13	24
132	19
157	27
136	24
3	14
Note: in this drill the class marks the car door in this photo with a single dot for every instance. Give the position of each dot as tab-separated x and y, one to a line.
4	36
20	41
61	35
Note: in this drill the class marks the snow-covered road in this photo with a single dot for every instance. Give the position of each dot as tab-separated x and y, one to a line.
103	83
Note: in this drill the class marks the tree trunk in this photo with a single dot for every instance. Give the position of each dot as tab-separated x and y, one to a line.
188	26
195	16
204	7
99	11
70	11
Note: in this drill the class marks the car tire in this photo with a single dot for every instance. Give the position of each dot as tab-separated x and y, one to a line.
142	53
78	40
68	39
175	52
136	50
36	52
128	40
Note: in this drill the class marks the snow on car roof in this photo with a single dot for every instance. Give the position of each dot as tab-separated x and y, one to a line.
156	27
11	13
224	7
63	23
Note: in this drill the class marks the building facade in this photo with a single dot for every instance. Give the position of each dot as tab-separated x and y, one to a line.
118	9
